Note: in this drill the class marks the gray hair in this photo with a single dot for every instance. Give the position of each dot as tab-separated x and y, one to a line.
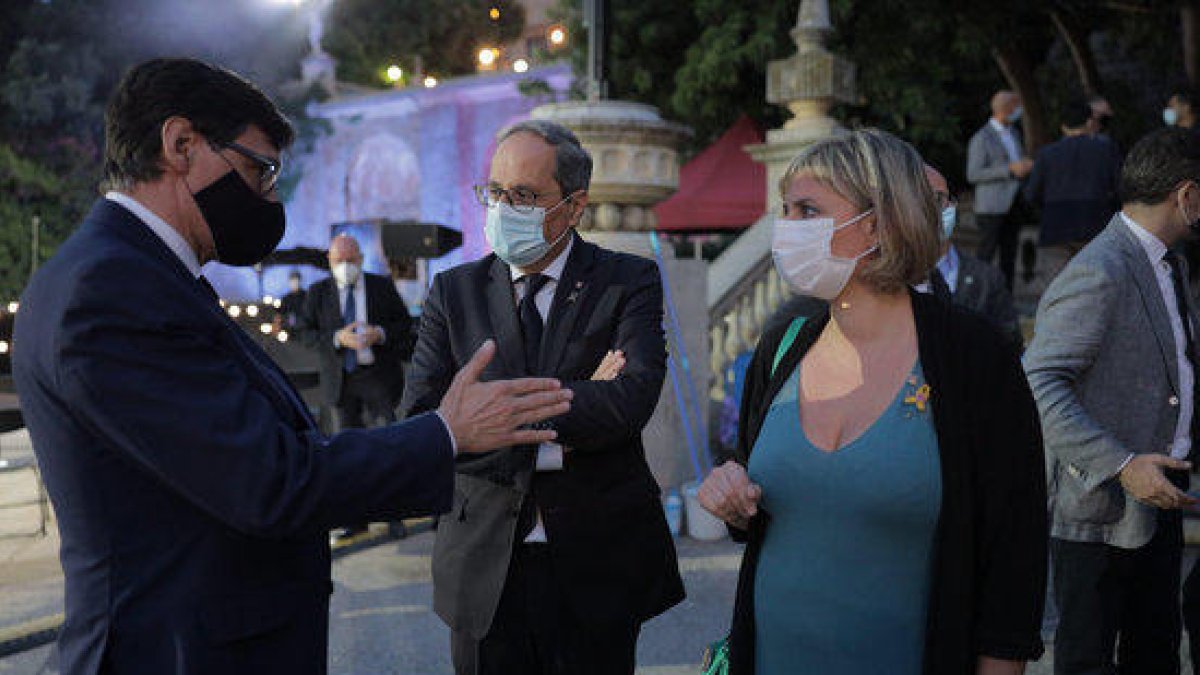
572	164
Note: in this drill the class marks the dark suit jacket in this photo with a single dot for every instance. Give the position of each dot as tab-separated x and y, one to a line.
1074	183
322	317
602	512
981	288
192	489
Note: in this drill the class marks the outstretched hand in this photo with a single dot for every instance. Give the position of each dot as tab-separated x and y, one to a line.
485	416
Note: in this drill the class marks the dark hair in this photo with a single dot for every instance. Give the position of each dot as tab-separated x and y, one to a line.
572	164
1158	163
1076	114
219	103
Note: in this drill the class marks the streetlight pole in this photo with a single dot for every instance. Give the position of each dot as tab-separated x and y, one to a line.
598	19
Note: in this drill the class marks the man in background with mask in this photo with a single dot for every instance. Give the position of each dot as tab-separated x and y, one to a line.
964	279
192	488
291	304
361	331
1112	366
996	164
554	554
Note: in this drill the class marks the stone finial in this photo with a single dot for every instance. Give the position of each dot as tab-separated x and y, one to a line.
813	79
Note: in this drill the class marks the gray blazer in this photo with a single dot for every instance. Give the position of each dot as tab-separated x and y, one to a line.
987	170
1103	371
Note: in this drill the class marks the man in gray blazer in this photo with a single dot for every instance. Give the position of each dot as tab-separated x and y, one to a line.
996	163
1112	368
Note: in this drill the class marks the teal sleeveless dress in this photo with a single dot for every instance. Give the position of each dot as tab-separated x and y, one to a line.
842	584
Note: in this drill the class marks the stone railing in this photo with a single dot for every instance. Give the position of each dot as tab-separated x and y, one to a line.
744	291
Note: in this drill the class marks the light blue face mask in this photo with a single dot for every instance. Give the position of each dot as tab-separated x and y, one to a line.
518	238
1170	117
949	220
1016	115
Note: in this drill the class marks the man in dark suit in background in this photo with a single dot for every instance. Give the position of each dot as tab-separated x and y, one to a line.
966	280
1074	183
553	555
361	331
192	487
291	304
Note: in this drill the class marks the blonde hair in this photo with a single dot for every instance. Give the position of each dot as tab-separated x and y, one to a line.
873	169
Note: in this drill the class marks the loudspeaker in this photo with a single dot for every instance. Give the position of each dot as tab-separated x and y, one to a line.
413	239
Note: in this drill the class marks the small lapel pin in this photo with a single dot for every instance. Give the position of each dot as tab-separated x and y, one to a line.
574	295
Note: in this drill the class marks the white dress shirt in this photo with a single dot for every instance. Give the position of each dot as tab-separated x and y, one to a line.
1155	250
1007	139
158	226
550	455
366	357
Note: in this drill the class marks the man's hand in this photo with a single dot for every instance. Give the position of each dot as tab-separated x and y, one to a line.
485	416
728	494
1143	478
1021	167
371	336
610	367
348	338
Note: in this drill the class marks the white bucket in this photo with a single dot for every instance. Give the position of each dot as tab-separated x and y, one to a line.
701	524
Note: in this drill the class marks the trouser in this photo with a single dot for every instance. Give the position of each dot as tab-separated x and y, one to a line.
999	232
1124	600
535	632
365	401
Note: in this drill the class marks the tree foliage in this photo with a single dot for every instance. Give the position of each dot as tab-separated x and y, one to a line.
366	36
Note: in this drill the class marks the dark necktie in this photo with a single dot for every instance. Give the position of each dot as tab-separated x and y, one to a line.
531	320
1181	306
349	316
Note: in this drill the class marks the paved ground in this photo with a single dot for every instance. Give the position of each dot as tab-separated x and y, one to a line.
380	618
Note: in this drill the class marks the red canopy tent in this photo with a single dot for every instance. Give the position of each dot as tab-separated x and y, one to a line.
721	188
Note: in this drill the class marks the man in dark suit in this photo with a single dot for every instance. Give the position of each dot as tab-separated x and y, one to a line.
291	304
192	488
1074	183
1112	366
553	555
966	280
361	331
996	164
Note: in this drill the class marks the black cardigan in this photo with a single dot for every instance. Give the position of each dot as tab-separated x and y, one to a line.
989	567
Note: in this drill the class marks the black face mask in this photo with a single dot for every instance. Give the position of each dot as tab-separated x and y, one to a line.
245	227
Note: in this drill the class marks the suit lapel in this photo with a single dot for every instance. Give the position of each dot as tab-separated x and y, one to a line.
569	296
1152	299
502	309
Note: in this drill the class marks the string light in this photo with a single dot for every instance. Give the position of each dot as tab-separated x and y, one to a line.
520	66
558	36
235	311
282	336
12	307
251	310
265	328
3	347
278	303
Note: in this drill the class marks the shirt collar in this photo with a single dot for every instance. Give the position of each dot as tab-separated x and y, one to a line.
949	262
555	269
158	226
1153	246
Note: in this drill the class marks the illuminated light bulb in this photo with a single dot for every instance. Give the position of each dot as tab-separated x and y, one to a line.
520	66
235	311
251	310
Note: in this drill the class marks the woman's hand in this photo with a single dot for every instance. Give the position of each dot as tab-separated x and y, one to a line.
610	367
728	494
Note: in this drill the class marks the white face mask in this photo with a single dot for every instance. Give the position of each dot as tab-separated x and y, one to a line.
1170	117
804	257
346	273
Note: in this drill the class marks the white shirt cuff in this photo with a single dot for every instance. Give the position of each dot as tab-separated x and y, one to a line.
453	443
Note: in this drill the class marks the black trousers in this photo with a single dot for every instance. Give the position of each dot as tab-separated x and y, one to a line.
1125	600
999	232
1191	614
366	399
534	632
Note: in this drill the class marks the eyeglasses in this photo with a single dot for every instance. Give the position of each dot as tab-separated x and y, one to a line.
268	169
521	199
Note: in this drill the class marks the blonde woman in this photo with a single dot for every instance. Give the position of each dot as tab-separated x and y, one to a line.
889	474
